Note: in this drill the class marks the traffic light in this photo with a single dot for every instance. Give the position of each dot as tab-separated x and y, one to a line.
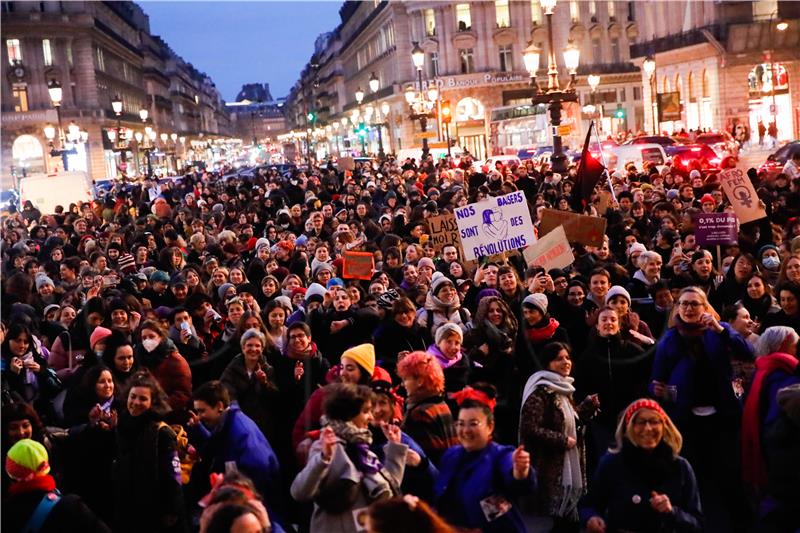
311	116
619	113
361	130
447	112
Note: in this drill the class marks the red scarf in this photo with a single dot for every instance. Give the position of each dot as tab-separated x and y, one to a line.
754	470
44	483
539	334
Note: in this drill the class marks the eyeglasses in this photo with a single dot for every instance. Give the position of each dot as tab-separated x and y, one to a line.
693	305
472	424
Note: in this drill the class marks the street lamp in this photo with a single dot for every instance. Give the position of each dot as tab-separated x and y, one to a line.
781	27
649	67
420	104
594	81
374	83
56	96
553	96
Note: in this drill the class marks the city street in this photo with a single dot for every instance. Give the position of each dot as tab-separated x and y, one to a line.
400	266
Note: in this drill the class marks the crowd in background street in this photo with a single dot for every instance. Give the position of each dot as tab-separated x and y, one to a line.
188	355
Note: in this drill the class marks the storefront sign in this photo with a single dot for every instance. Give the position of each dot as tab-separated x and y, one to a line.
551	251
481	79
716	228
495	225
48	115
669	106
582	229
425	135
358	265
742	195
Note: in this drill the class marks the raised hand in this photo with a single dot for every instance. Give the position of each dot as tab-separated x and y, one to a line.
522	462
328	438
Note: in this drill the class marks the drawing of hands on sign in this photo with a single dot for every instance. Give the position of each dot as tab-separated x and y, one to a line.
493	224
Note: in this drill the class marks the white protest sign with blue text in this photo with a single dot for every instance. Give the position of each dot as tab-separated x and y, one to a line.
495	225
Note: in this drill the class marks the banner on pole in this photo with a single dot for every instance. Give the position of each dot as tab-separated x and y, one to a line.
495	225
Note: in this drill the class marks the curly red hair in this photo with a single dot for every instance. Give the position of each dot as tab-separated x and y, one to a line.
423	367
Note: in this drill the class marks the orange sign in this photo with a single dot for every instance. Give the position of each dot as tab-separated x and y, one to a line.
358	265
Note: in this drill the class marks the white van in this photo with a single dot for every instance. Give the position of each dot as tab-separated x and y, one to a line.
638	154
46	192
437	153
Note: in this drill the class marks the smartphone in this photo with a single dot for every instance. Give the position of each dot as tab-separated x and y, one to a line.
185	326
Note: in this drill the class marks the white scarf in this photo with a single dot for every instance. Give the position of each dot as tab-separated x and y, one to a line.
571	476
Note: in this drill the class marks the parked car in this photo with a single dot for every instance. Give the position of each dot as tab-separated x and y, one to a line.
8	198
668	143
636	153
533	152
688	157
777	160
722	143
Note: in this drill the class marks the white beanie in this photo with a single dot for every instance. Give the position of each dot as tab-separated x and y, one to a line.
444	329
315	289
636	247
437	281
537	300
263	241
617	290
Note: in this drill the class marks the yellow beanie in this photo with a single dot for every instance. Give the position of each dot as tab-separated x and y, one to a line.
363	355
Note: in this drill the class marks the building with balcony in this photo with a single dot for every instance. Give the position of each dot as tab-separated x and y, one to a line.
96	52
473	54
720	64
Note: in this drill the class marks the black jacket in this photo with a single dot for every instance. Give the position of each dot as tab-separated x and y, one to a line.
391	338
69	514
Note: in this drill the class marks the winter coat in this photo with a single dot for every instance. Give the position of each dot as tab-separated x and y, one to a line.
147	477
468	478
533	339
260	401
391	338
237	439
541	430
783	471
361	324
497	366
319	474
616	370
417	480
621	489
430	423
674	365
172	372
69	514
441	315
456	374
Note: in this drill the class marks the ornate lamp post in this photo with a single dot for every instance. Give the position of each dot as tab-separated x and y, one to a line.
553	96
420	103
56	97
361	129
374	85
594	81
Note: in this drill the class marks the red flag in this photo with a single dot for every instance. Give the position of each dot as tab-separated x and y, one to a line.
590	170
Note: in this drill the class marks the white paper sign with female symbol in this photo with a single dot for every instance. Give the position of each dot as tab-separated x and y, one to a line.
495	225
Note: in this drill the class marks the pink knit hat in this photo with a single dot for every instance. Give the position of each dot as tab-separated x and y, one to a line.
97	335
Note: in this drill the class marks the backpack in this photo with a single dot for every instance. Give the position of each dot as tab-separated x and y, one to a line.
42	511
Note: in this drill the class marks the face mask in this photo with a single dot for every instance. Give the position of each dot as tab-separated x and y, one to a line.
99	353
725	270
150	344
771	262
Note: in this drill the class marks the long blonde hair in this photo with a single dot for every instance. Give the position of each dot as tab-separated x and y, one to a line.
700	294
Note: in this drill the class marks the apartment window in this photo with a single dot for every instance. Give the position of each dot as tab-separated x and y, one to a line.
14	51
536	12
19	93
593	10
637	92
501	14
433	64
621	95
467	60
101	60
125	71
612	11
597	51
506	59
69	53
574	11
430	22
47	52
615	57
463	17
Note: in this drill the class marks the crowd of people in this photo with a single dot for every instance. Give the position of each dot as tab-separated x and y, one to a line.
186	355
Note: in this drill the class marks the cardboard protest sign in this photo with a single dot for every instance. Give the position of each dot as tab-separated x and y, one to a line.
741	194
346	163
358	265
495	225
551	251
716	229
584	229
604	202
444	231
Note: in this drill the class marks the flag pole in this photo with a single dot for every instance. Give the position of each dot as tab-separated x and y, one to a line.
605	164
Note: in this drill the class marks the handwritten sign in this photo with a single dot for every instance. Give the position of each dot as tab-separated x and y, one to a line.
346	163
551	251
358	265
444	231
495	225
742	195
583	229
716	228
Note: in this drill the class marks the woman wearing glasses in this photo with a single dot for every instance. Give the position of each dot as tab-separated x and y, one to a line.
479	479
643	484
693	377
